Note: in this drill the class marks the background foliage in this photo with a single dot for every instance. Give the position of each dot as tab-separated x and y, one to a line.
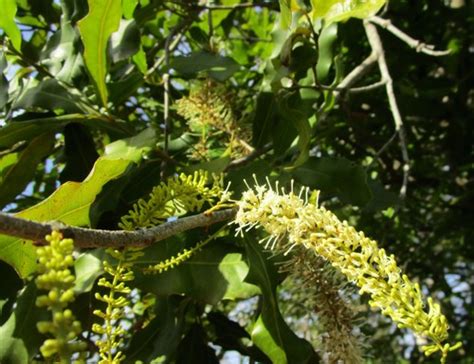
101	100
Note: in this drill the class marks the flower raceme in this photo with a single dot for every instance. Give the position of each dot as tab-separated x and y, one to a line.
291	220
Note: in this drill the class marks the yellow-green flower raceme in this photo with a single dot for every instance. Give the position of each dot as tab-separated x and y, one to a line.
290	220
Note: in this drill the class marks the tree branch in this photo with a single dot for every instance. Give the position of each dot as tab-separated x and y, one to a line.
412	42
97	238
377	49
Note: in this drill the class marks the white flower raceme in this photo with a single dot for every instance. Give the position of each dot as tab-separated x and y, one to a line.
290	220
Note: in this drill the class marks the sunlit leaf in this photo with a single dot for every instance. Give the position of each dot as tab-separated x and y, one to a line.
70	203
340	10
7	22
96	28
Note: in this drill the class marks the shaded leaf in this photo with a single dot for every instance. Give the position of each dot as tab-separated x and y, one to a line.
125	42
20	338
270	333
162	335
50	95
326	41
79	151
98	25
216	66
337	176
194	348
14	179
215	273
17	131
264	118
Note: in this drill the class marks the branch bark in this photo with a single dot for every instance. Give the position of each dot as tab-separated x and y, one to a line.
377	49
97	238
418	45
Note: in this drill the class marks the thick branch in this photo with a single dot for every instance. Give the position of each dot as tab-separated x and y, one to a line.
96	238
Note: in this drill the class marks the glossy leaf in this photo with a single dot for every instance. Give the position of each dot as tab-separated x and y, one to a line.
7	22
96	28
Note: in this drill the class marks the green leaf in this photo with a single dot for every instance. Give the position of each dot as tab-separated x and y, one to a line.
341	10
264	118
216	66
128	7
270	333
17	131
88	267
285	13
79	151
71	202
296	111
96	27
20	337
215	273
125	42
326	41
162	335
7	22
3	81
50	95
14	179
132	148
194	348
337	176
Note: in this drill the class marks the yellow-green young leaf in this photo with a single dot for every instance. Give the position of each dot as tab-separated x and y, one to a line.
339	10
96	28
285	13
128	7
7	22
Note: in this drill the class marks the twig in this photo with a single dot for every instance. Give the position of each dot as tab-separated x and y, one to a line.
377	49
357	73
412	42
371	87
96	238
179	33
